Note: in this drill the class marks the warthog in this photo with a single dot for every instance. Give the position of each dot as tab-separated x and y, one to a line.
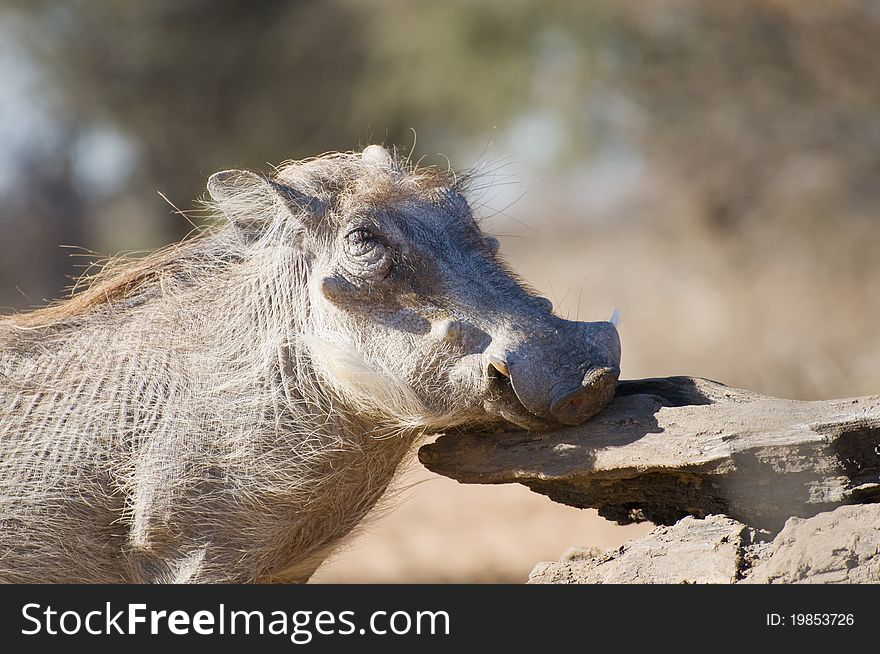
229	408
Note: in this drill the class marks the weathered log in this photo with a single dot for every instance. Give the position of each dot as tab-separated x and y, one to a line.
670	447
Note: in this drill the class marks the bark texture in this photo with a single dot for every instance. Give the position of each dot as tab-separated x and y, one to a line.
678	446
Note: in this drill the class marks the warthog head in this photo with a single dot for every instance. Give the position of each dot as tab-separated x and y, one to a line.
409	314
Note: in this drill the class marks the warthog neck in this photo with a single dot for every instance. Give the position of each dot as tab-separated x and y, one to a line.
190	415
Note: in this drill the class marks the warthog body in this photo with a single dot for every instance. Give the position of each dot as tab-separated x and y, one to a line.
229	408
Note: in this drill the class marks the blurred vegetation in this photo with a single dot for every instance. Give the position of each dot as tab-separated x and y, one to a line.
711	168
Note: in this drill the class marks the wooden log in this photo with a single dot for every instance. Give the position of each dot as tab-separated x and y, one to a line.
670	447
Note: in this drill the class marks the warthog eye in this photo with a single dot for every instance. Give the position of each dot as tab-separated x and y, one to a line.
367	253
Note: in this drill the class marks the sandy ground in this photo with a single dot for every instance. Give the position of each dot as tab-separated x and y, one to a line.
450	532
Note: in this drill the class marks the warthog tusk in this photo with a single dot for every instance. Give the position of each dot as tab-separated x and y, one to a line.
499	364
615	317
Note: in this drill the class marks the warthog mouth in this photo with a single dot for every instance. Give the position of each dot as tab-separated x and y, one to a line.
503	403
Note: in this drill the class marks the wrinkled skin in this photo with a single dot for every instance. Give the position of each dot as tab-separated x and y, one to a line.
418	289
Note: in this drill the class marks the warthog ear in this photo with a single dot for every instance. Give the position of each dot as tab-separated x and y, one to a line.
249	199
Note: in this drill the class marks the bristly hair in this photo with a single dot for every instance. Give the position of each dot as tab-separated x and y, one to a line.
184	418
336	178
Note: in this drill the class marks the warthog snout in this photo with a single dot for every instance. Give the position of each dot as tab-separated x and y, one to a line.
565	373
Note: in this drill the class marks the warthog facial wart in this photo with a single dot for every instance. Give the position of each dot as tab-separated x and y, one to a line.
229	408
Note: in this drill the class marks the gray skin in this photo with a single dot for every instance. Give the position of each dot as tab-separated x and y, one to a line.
231	408
430	284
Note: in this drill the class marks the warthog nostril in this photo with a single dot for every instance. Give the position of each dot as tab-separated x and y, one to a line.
596	390
499	364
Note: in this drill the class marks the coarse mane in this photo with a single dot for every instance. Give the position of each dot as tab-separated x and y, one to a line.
336	178
117	280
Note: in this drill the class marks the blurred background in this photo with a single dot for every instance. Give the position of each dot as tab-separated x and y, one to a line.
711	169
